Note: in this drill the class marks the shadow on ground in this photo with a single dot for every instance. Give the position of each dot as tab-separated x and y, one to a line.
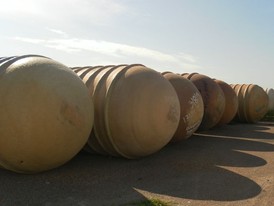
191	169
251	131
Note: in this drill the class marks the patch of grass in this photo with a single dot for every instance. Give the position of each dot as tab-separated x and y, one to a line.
151	202
269	117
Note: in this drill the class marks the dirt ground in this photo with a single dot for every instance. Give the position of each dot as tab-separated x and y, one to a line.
231	165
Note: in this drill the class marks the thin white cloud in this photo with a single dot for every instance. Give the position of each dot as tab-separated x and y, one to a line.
30	40
57	31
112	49
187	57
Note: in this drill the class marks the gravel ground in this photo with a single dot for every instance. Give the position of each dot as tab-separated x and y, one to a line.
231	165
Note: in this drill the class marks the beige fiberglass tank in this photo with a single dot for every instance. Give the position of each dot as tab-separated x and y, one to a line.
46	114
213	98
231	103
270	93
253	102
137	110
191	104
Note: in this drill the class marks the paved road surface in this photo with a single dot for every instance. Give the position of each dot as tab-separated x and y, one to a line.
231	165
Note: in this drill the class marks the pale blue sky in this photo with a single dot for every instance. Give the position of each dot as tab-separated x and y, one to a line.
231	40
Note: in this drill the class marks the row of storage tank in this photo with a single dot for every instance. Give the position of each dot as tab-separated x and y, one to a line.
50	112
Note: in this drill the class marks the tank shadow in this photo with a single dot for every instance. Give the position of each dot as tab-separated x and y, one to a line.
197	173
241	130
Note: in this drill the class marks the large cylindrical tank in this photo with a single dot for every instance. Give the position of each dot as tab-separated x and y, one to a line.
231	103
270	93
46	114
252	102
213	98
191	104
137	110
